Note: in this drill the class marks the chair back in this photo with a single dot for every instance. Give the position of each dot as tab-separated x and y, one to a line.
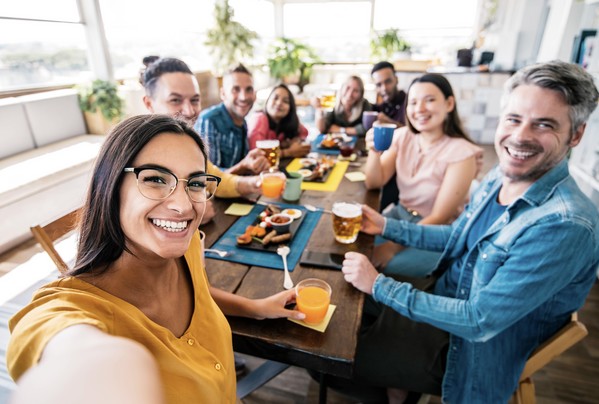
48	234
564	339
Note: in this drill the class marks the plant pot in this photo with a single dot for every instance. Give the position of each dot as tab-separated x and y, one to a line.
97	124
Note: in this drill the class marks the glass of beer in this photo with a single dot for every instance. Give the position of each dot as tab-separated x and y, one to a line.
328	99
347	218
271	149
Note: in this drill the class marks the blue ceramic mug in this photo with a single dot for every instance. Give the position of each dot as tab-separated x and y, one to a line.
383	135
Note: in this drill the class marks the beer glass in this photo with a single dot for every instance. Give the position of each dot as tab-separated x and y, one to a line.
271	149
347	218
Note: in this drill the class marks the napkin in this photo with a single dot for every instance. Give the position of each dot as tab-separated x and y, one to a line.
322	326
239	209
353	157
355	176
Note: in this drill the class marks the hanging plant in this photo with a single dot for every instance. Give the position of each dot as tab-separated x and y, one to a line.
229	40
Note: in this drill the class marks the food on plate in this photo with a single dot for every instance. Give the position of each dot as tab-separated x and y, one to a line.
280	222
269	237
308	162
293	213
329	142
281	237
304	172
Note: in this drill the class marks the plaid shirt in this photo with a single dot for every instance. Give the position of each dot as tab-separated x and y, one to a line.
227	142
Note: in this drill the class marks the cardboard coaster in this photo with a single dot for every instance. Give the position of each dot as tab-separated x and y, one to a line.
238	209
355	176
322	326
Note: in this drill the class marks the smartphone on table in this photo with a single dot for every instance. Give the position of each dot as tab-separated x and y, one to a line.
322	259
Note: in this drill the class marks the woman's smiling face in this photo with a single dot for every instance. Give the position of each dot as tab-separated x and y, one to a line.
162	228
427	107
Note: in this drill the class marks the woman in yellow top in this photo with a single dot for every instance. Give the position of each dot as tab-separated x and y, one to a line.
136	321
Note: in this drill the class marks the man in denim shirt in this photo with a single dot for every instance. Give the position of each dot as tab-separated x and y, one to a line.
224	128
518	261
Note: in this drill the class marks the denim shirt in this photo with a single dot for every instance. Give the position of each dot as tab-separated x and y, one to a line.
515	288
227	142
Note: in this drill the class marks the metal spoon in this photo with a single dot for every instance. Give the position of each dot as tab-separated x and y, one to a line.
220	253
283	252
313	208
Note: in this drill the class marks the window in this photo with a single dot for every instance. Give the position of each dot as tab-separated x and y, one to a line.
41	44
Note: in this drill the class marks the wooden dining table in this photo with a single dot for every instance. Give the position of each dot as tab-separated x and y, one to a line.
331	352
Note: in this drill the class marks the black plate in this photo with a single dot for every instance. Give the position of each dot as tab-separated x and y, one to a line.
256	245
323	178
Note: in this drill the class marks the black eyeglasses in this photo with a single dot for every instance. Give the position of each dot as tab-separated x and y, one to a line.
159	183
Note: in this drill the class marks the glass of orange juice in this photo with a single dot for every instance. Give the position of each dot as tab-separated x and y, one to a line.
313	297
273	183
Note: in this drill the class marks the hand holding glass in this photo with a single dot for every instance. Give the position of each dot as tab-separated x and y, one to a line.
383	136
272	151
313	297
273	183
347	219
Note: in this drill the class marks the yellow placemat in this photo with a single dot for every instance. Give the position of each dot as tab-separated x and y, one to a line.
330	185
239	209
322	326
356	176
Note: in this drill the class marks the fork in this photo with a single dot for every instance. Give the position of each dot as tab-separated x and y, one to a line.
220	253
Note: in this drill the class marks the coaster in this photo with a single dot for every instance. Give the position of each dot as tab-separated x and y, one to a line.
353	157
355	176
322	326
239	209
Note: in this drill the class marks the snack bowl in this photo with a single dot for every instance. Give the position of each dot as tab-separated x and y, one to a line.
280	222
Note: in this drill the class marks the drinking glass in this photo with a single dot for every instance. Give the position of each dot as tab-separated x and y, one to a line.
271	149
273	183
347	219
313	297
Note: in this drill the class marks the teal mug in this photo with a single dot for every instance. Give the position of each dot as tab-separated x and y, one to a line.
293	186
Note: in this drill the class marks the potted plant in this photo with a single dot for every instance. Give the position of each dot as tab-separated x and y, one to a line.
101	105
387	44
291	61
229	40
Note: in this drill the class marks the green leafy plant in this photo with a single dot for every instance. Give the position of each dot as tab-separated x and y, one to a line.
102	95
229	40
385	43
289	57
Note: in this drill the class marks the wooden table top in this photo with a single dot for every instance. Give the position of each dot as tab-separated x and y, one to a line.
331	352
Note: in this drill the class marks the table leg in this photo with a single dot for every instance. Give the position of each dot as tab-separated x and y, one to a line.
322	391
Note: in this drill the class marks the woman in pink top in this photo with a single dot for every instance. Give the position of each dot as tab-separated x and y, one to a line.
434	162
280	121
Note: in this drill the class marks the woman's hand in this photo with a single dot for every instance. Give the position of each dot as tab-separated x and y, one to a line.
372	221
274	306
358	271
297	149
369	139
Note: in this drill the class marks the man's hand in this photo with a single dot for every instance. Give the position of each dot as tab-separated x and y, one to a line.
297	149
255	161
372	221
358	271
209	212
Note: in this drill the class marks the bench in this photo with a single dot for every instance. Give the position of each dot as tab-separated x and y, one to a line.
46	156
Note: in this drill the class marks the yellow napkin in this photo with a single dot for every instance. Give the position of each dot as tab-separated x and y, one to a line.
356	176
239	209
322	326
330	185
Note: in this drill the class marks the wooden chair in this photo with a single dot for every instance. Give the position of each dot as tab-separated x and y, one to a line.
46	235
563	340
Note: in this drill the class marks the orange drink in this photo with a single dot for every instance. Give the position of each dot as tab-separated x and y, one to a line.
273	184
313	297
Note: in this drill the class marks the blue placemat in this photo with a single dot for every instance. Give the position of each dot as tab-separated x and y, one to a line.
266	259
323	150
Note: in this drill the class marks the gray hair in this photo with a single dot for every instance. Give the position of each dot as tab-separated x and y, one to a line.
574	83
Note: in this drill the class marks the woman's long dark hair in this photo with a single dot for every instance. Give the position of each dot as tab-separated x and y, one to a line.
101	238
452	126
289	125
